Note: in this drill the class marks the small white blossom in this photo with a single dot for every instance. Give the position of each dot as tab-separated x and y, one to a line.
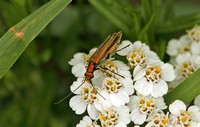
181	117
115	68
138	55
194	34
85	98
87	122
158	119
117	90
80	62
152	79
115	117
181	46
141	107
195	37
186	65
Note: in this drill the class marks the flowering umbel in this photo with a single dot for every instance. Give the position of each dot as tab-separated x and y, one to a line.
123	92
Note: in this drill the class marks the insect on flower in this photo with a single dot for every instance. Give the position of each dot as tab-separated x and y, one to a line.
107	48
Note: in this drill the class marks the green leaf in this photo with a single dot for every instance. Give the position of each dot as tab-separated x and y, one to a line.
161	48
186	91
15	40
143	36
179	24
115	13
147	9
168	10
136	23
157	9
8	8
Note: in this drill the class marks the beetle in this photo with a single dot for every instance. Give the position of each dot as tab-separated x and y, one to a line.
104	51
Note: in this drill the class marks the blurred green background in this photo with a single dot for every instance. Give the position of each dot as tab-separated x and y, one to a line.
42	75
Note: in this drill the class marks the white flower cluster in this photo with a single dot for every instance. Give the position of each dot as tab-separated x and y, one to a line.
115	97
185	55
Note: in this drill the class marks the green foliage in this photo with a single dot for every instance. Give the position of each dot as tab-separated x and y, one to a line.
42	76
186	91
20	35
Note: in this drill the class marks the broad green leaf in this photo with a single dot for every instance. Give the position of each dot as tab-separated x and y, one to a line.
17	38
186	91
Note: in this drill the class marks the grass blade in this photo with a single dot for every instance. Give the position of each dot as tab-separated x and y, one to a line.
17	38
186	91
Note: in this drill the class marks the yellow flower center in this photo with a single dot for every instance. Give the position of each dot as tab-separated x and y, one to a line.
187	69
89	94
137	57
109	117
113	85
153	73
147	105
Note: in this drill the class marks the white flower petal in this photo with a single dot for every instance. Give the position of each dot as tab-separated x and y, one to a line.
98	78
123	73
92	111
142	86
195	124
182	58
139	75
77	86
168	73
185	39
136	70
195	112
152	57
78	58
195	59
100	103
159	89
173	46
193	109
125	51
128	85
121	65
124	114
140	45
120	124
133	102
78	70
92	51
77	104
150	124
195	48
119	99
137	117
197	101
176	107
86	121
160	103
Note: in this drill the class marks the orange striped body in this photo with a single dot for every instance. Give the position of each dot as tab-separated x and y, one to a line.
104	51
